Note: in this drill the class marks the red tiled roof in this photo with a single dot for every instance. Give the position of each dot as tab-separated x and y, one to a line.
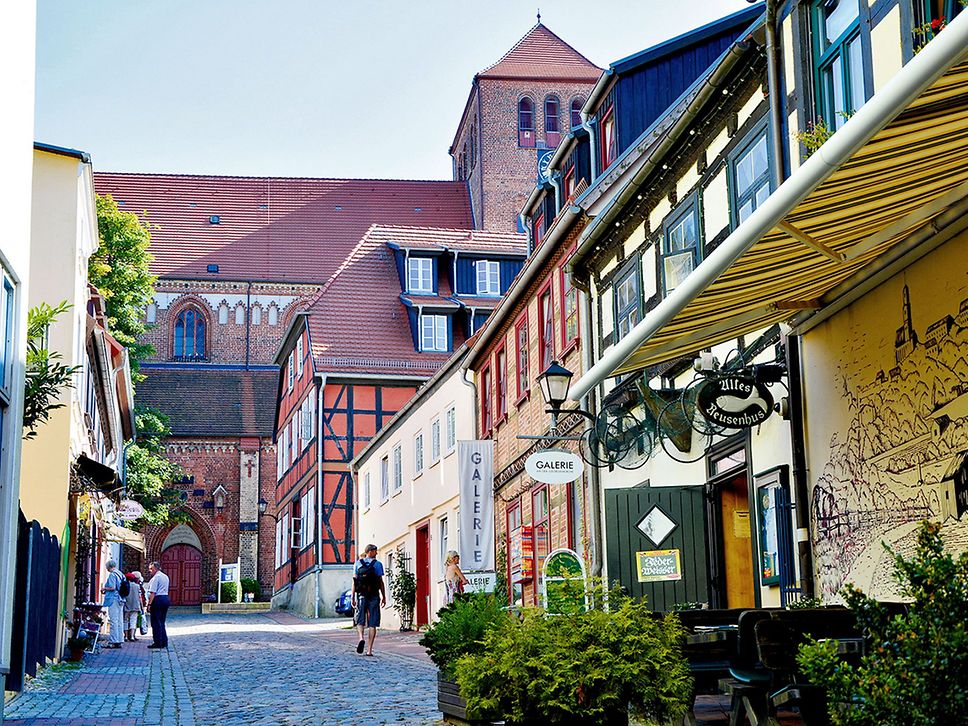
274	228
201	401
434	301
541	54
473	301
463	240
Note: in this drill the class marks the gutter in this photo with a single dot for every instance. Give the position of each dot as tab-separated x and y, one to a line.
589	403
592	152
775	93
598	90
920	72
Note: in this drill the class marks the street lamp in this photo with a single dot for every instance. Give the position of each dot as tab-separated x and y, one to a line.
554	383
263	505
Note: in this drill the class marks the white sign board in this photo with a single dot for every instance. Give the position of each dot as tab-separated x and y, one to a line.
130	510
554	467
475	461
480	581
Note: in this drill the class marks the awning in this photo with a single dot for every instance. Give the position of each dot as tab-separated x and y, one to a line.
96	476
117	533
896	167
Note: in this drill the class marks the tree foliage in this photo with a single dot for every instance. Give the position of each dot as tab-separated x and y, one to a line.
46	375
119	270
149	472
915	671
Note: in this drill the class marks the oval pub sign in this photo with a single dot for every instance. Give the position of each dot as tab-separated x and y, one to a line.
554	467
737	401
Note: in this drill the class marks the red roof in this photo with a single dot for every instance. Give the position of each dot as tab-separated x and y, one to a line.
463	240
541	54
274	228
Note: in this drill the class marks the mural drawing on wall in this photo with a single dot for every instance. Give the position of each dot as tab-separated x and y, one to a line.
901	453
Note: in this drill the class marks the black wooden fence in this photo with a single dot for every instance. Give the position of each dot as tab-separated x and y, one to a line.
36	598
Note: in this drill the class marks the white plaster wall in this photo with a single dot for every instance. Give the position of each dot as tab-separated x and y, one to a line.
886	47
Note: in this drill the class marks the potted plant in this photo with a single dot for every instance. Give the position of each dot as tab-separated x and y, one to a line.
76	647
459	631
403	590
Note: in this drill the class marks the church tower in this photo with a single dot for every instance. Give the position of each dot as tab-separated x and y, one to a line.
517	112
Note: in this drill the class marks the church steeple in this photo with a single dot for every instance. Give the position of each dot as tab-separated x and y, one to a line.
906	338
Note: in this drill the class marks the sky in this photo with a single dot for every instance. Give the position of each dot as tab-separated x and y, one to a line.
360	88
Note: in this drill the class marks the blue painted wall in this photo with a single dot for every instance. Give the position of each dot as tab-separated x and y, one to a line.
467	273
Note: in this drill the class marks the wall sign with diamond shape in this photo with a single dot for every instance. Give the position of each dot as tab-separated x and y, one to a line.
656	526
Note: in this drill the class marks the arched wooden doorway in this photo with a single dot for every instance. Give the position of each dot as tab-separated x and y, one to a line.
183	564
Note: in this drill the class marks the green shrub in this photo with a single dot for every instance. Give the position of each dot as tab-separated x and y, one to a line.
593	667
915	671
251	585
230	592
460	629
403	591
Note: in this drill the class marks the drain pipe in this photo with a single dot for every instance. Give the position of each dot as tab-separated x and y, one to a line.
592	151
775	93
588	403
319	483
800	486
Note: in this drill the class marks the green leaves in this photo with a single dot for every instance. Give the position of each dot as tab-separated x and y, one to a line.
149	472
403	588
460	629
46	375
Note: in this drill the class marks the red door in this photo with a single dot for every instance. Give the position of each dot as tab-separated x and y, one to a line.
183	565
423	575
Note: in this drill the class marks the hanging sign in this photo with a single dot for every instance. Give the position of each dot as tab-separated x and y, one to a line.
552	466
658	565
475	467
129	510
735	401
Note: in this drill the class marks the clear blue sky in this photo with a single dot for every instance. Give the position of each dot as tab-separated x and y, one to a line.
357	88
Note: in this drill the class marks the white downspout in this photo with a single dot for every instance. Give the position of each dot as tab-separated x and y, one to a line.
590	128
319	482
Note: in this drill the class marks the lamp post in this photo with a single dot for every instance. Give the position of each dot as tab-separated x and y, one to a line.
554	383
263	506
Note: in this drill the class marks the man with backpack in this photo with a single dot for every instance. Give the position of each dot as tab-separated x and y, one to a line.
369	594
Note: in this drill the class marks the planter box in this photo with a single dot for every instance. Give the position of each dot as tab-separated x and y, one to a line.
451	703
210	608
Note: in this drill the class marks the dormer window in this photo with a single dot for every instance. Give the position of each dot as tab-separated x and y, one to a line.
433	333
420	274
608	146
488	277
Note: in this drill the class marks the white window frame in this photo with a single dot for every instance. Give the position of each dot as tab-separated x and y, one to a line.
366	491
295	533
278	544
384	479
291	371
309	518
488	277
433	333
420	275
299	357
306	422
450	429
444	536
418	453
285	539
397	460
435	440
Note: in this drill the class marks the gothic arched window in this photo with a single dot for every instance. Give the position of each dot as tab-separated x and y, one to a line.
526	122
190	334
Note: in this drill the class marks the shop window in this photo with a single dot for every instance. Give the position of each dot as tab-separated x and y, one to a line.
626	299
526	123
488	277
420	274
189	342
546	329
608	144
501	385
569	310
513	516
680	245
433	333
576	106
541	520
522	356
750	176
838	60
552	111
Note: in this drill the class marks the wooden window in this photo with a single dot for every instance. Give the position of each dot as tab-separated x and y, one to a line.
488	277
569	310
290	371
451	428
279	559
627	300
576	106
433	333
309	518
569	184
420	274
296	531
434	440
538	230
522	356
189	342
487	410
501	384
680	245
552	111
526	123
750	176
299	357
418	453
514	522
384	478
546	328
838	60
608	144
397	468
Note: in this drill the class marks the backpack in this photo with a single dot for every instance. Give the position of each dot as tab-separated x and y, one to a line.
124	588
367	581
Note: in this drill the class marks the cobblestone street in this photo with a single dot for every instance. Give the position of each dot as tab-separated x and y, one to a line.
238	669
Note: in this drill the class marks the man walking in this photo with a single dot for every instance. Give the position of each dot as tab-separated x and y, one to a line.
369	594
114	603
158	604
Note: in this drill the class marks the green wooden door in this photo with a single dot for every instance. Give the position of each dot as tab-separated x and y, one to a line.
675	519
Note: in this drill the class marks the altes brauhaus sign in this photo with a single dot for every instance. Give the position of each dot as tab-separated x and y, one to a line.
553	466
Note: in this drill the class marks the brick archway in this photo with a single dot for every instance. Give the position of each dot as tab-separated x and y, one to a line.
155	538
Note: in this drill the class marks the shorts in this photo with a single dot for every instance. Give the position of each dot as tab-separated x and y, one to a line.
131	619
367	611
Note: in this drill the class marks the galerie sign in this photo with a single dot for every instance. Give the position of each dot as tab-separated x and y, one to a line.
554	467
735	401
475	462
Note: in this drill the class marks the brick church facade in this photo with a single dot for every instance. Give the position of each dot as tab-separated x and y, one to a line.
239	258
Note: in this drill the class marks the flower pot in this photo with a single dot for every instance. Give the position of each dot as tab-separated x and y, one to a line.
76	655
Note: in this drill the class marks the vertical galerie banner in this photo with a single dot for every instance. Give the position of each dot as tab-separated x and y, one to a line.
476	473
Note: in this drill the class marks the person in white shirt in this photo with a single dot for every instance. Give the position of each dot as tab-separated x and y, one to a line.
158	604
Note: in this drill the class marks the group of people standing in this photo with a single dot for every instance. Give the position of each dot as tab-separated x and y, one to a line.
369	592
128	599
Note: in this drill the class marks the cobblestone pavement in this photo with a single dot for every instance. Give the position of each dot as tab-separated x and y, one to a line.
272	668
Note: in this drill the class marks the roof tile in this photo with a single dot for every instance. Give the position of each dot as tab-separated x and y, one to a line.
541	54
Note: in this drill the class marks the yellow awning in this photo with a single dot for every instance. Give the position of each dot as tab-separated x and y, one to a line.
862	210
801	246
117	533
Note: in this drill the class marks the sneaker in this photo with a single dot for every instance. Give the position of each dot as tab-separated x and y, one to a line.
156	646
359	648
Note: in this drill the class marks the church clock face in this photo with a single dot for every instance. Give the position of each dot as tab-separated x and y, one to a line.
544	162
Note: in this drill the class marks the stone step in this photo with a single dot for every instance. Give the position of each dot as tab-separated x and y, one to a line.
235	607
